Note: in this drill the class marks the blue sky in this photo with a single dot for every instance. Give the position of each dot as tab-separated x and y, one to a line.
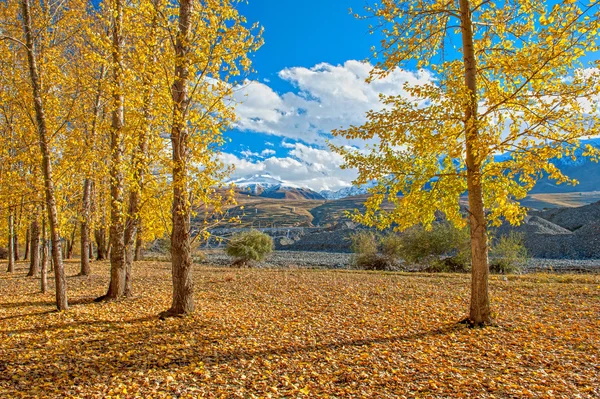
297	35
309	79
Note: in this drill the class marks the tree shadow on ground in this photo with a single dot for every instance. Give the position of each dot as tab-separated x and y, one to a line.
89	361
72	302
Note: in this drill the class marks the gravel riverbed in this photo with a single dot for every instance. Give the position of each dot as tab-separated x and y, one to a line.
337	260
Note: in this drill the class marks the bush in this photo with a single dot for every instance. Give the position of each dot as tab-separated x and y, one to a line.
508	254
249	246
3	253
444	248
374	251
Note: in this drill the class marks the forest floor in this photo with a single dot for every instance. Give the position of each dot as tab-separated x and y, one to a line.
300	333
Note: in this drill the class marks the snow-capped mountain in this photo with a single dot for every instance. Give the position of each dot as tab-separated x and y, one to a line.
256	184
586	171
269	186
347	191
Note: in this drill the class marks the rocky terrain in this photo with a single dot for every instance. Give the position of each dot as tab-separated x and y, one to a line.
337	260
567	234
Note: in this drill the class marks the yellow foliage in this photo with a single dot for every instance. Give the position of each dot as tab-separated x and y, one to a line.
534	101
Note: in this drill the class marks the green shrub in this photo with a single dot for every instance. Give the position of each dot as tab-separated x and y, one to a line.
249	246
364	242
375	251
508	255
391	245
444	248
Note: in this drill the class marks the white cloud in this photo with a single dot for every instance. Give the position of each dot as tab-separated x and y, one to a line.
328	97
243	167
266	152
249	154
307	166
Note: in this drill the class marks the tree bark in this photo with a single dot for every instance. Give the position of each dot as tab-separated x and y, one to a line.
100	236
139	160
59	273
116	288
85	228
88	185
479	312
139	243
71	245
129	237
181	259
44	270
11	244
34	243
27	239
16	242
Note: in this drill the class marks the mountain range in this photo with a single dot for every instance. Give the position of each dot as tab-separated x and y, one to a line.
586	171
267	186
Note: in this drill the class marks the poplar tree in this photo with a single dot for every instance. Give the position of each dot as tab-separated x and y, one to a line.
516	86
210	48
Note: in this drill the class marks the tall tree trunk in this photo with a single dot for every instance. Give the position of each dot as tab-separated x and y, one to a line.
139	158
34	242
181	258
59	273
129	237
88	191
16	241
100	236
479	313
71	245
27	238
44	271
85	228
116	288
139	243
11	243
17	223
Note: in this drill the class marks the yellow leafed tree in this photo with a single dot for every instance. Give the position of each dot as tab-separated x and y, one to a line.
210	49
516	86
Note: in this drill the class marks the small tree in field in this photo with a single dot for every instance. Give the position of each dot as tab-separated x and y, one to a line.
249	246
515	85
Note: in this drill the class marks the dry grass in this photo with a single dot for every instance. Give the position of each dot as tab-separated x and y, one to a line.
301	333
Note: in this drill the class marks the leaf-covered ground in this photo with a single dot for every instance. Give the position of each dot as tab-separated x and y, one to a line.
301	333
